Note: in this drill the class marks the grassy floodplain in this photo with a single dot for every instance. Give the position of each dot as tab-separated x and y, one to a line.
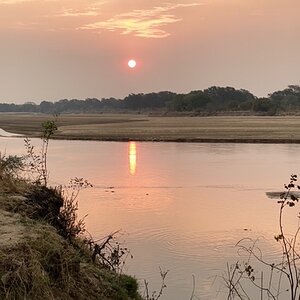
124	127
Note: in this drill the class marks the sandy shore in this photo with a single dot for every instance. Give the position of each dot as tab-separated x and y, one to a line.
128	127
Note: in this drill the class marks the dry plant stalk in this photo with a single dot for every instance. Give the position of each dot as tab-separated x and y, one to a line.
282	280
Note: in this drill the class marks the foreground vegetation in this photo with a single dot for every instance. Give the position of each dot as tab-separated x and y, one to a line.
275	277
124	127
36	262
42	252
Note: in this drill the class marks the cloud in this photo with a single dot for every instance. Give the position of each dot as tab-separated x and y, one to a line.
92	10
77	13
146	23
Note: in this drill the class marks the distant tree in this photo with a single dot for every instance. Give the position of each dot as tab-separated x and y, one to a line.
93	104
29	106
178	103
228	98
6	107
210	100
75	105
112	104
61	106
287	99
134	101
46	107
194	101
265	105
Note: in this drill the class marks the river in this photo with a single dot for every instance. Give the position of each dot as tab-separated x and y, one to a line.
180	207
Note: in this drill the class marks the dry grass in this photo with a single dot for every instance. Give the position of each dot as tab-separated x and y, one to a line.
124	127
36	262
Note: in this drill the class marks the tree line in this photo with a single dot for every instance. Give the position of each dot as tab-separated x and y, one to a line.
208	101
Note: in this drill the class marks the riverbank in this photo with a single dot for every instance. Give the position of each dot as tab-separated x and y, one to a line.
128	127
37	260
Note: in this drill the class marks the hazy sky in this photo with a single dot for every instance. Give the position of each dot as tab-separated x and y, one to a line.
55	49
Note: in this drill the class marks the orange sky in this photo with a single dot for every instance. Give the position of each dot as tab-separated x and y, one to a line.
55	49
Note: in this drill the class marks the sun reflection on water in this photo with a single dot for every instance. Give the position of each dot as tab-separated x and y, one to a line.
132	158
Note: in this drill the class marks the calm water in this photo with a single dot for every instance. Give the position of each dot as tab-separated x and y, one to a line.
181	207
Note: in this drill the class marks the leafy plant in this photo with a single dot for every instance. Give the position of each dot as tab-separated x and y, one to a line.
36	163
10	165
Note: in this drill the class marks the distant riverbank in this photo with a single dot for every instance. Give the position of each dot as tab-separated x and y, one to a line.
128	127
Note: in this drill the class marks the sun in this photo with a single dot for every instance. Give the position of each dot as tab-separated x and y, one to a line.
132	63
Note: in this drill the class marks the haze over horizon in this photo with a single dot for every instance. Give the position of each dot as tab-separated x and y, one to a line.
56	49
